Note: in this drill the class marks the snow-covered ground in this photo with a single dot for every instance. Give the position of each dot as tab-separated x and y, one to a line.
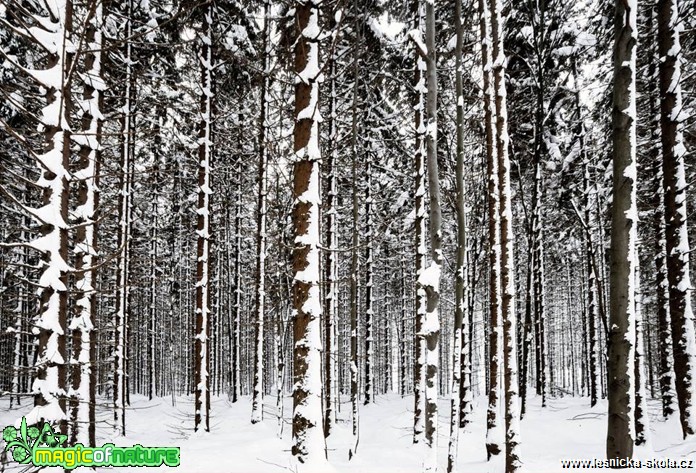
566	429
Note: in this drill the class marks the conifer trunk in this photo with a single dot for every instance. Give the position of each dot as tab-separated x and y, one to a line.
675	195
621	351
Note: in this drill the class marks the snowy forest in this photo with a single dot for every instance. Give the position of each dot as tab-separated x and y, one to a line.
351	235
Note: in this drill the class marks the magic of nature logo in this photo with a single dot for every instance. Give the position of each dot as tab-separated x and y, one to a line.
41	446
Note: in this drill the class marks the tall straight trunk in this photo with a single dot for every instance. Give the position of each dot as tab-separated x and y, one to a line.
641	419
624	215
307	409
152	306
493	428
83	373
51	365
331	298
538	285
460	387
201	360
120	380
174	282
355	242
21	314
369	387
260	292
592	295
676	229
429	279
236	339
420	306
507	261
152	372
403	382
538	289
592	287
666	368
527	327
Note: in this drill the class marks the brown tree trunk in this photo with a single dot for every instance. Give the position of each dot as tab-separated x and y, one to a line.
620	359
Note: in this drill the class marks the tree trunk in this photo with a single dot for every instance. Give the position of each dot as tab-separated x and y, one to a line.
205	156
460	387
51	365
493	428
307	429
676	233
260	292
331	298
120	380
420	307
430	278
507	262
82	415
621	357
641	420
666	369
355	242
369	386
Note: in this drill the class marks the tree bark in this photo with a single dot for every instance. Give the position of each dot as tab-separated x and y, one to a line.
307	429
430	278
205	156
461	387
260	292
621	352
507	262
676	230
493	428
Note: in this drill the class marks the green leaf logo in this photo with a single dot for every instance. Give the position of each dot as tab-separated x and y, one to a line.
22	443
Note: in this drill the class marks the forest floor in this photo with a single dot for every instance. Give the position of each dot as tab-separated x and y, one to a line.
566	429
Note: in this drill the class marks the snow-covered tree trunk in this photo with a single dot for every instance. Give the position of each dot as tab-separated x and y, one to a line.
590	310
666	369
466	390
201	354
527	326
461	332
624	216
429	279
49	386
493	428
642	424
331	298
152	303
403	357
120	381
592	295
420	305
21	312
369	386
237	295
260	292
538	285
83	373
154	375
507	254
308	438
354	258
676	235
